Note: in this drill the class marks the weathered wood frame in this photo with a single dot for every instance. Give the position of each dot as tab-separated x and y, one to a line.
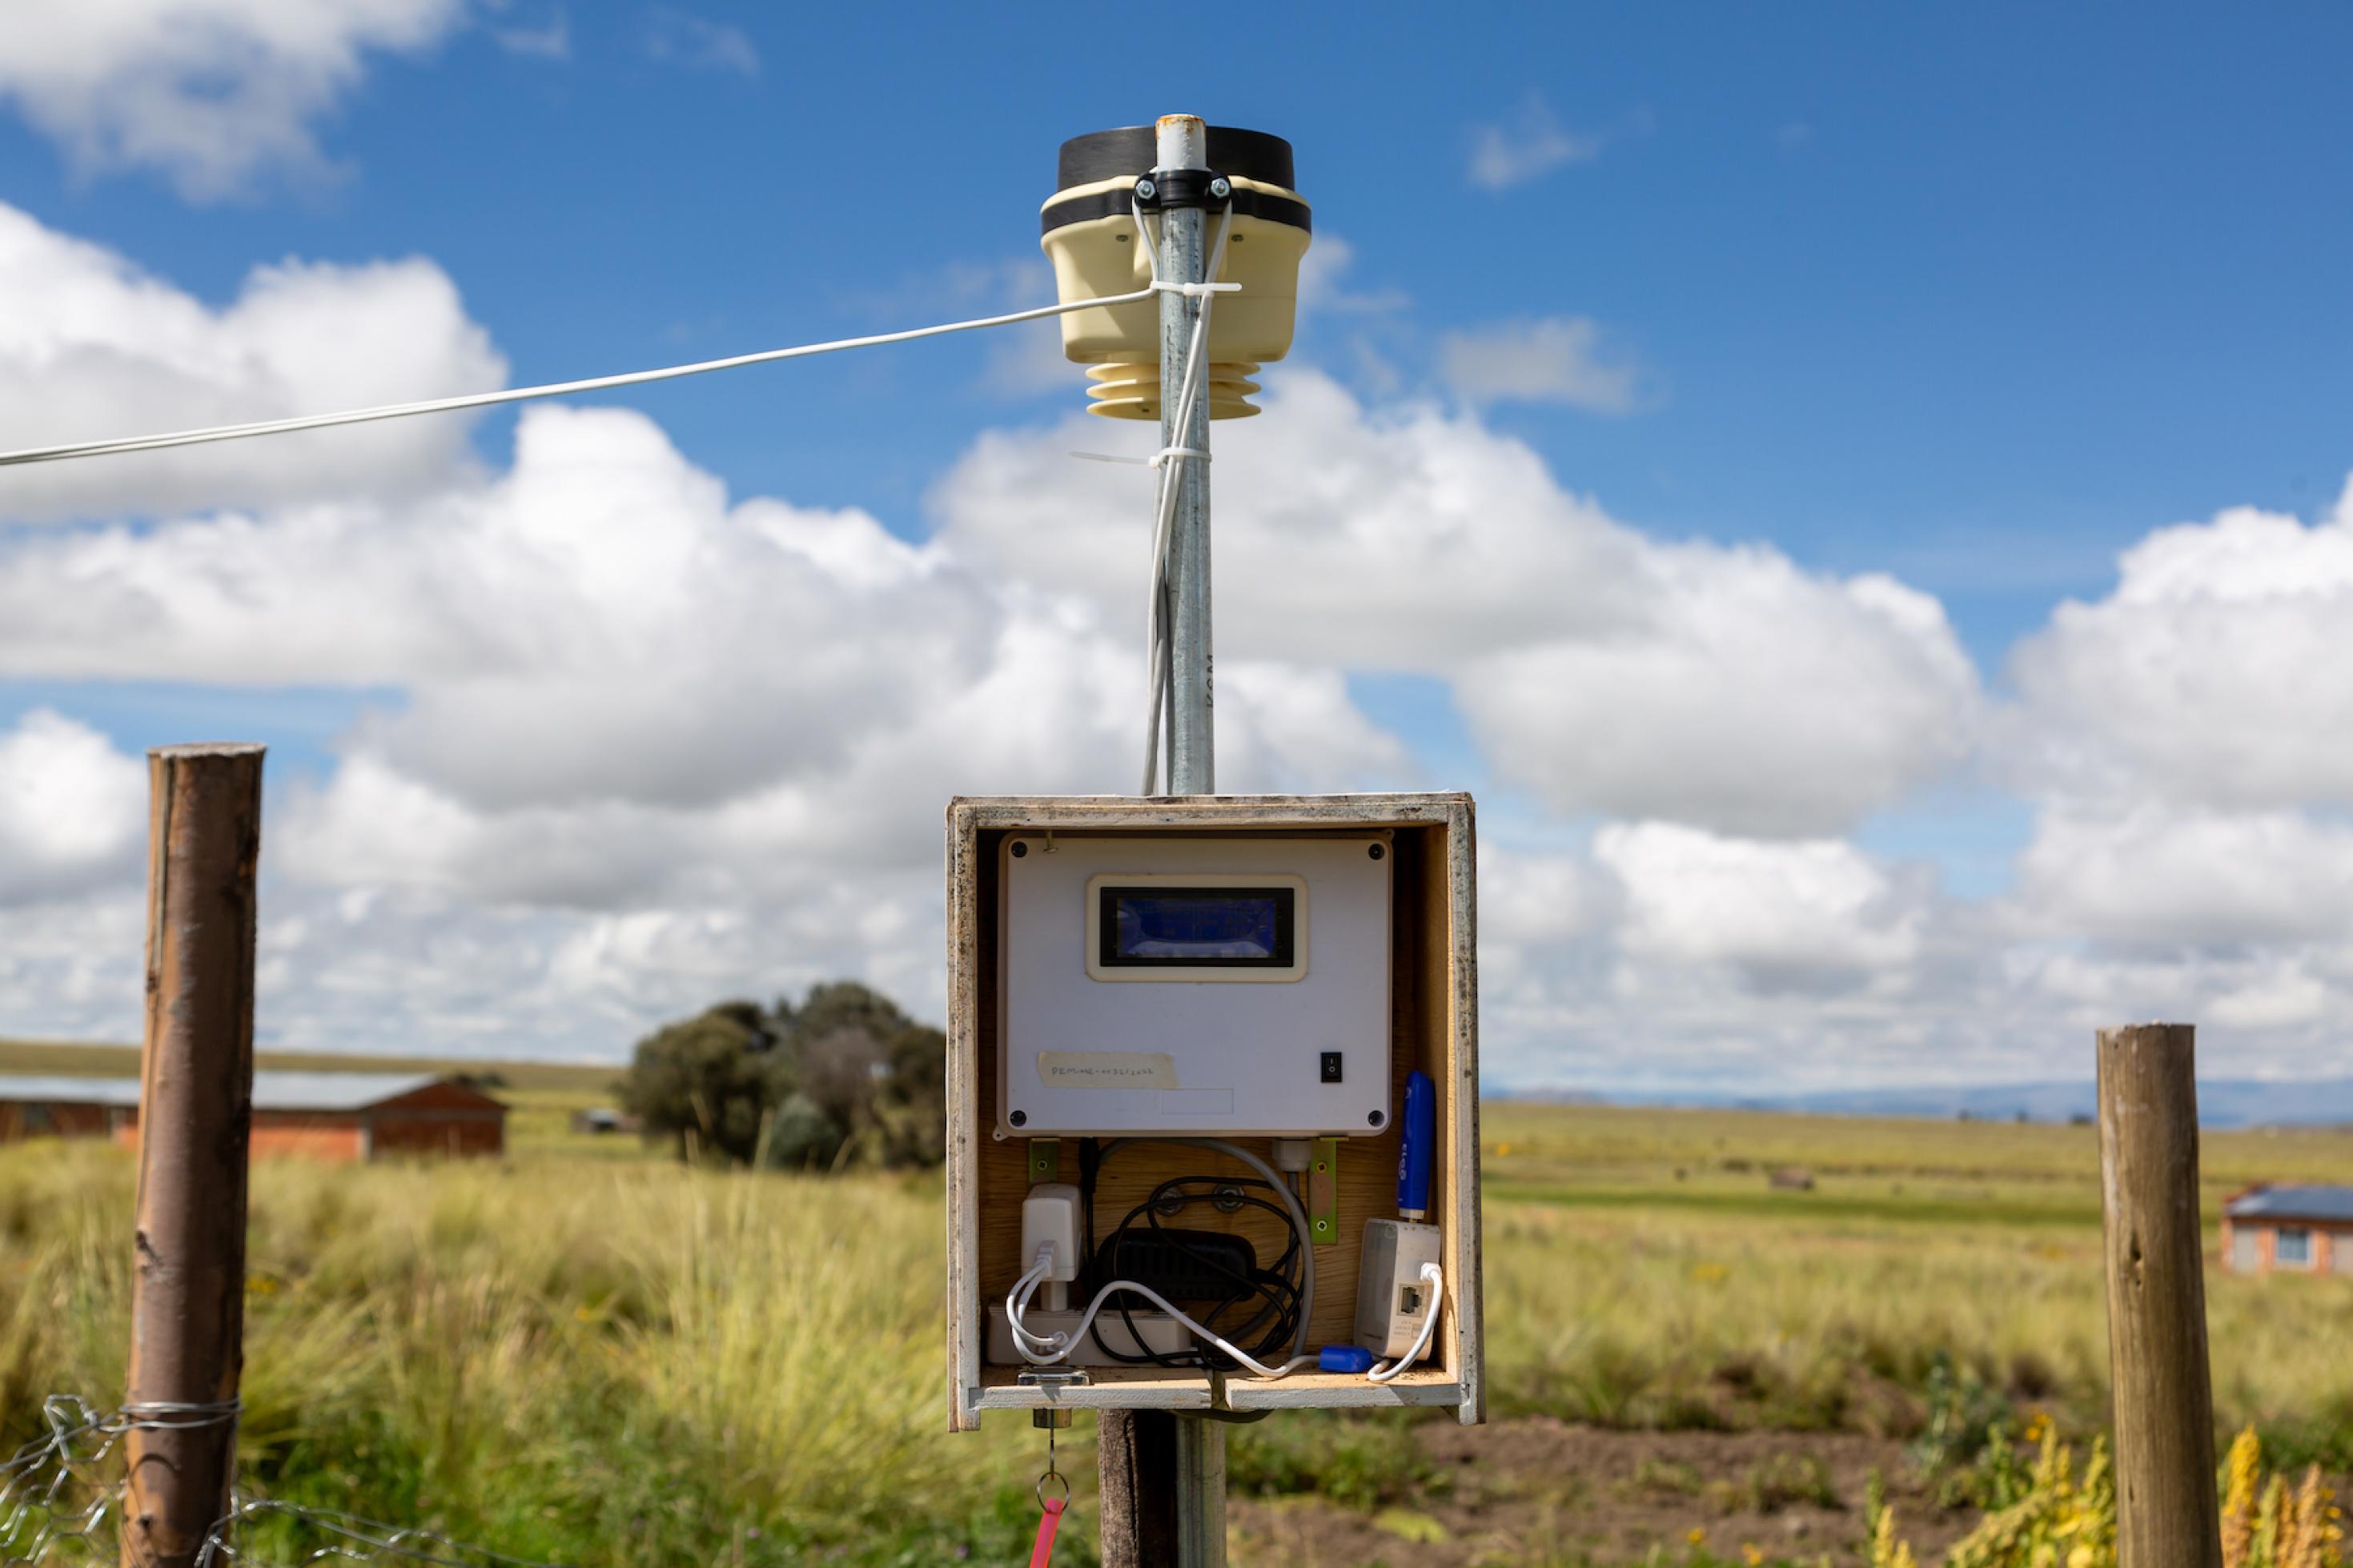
1435	1027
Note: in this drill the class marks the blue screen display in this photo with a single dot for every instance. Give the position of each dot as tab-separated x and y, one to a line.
1224	926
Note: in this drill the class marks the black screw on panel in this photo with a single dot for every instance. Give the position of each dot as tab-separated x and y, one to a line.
1374	850
1376	1119
1021	1118
1019	849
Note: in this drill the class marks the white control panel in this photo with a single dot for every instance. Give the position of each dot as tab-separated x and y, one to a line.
1193	984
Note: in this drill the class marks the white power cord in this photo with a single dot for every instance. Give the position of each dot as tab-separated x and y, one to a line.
1044	1350
1435	1278
1047	1348
560	388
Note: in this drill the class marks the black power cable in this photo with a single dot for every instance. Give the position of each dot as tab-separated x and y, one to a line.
1276	1292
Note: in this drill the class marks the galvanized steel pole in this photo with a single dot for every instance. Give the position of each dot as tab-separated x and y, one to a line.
1160	1474
1184	143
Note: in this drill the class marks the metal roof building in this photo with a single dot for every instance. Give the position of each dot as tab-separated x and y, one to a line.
329	1115
2289	1229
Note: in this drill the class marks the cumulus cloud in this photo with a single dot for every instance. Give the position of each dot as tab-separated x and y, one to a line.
1600	670
1524	144
213	93
73	810
1752	696
630	742
613	680
2154	873
1806	915
2213	674
1556	359
114	350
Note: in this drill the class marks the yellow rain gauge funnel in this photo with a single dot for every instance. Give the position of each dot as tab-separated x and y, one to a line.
1104	180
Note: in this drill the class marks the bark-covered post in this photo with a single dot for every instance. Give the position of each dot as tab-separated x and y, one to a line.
196	1111
2167	1515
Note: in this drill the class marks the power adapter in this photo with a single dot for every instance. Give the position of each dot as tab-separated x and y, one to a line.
1182	1265
1393	1300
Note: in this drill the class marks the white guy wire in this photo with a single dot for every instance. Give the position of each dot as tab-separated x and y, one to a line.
554	389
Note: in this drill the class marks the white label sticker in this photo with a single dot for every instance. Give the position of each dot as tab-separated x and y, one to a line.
1107	1069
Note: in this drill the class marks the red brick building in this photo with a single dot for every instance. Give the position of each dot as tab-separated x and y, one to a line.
325	1115
2289	1230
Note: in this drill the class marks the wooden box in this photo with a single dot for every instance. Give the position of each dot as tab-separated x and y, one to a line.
1434	1026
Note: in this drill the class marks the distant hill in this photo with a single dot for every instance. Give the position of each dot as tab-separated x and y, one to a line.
2221	1102
71	1060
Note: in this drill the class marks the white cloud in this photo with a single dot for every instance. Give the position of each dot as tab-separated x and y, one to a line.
2214	674
677	38
2153	873
214	93
73	810
1556	359
647	743
1785	915
1746	694
1524	144
115	352
1600	670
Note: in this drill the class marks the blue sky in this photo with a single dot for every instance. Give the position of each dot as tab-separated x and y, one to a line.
1975	299
1976	296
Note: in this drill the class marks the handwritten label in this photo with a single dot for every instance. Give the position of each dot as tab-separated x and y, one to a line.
1107	1069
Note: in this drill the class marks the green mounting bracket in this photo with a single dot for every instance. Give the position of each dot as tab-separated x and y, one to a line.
1045	1160
1324	1192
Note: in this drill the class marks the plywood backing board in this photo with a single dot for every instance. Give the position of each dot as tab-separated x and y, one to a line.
1433	1024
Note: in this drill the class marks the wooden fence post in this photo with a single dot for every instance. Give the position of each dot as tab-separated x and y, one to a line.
196	1112
2167	1515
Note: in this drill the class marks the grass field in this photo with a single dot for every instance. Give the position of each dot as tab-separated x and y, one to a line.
593	1356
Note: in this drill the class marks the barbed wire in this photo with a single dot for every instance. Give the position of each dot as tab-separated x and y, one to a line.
61	1500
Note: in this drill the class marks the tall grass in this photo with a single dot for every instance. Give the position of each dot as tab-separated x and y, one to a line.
605	1362
589	1363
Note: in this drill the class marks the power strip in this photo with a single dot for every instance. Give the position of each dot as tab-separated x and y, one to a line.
1160	1333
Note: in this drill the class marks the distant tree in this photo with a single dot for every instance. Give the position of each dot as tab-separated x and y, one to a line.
844	1077
866	1082
715	1077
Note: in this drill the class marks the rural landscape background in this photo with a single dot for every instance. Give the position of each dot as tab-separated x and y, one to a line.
1858	493
589	1352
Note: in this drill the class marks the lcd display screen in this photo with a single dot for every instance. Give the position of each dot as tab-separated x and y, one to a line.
1225	928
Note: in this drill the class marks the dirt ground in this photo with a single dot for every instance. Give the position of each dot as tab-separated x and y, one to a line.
1541	1491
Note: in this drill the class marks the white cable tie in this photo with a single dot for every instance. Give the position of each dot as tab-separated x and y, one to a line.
1196	291
1162	456
552	389
1112	458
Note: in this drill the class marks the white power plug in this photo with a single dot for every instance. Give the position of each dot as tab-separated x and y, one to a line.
1050	1221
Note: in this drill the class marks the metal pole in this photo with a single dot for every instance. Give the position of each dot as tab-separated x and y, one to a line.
2165	1511
196	1110
1200	1493
1184	143
1158	1473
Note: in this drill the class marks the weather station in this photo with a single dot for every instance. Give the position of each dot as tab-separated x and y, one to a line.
1213	1112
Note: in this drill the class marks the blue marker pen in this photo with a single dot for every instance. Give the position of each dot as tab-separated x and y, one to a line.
1417	1147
